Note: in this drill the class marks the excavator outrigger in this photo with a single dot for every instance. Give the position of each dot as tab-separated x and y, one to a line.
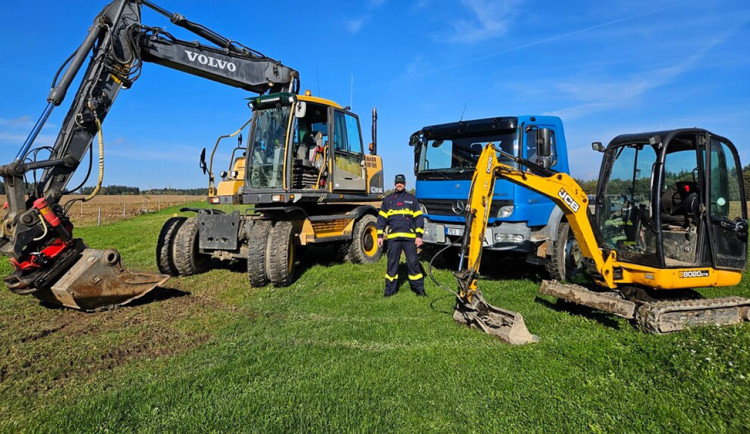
670	215
37	235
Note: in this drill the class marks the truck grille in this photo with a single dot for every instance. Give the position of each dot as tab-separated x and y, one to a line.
445	206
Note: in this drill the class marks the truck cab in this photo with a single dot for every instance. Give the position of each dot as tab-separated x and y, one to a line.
520	220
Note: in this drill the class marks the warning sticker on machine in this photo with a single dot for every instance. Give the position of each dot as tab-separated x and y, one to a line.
694	273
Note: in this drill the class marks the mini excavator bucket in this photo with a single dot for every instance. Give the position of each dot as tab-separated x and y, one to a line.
98	280
508	326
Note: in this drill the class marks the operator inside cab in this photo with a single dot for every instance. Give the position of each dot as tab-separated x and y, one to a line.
401	213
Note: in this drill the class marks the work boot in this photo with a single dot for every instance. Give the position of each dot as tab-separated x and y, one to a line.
421	293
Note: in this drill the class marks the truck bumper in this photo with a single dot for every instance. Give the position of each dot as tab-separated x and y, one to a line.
503	237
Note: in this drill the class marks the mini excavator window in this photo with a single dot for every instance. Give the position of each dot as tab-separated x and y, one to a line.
625	212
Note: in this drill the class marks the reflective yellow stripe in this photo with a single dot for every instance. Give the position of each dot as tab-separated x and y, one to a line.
416	277
391	279
380	232
401	235
420	230
403	212
383	213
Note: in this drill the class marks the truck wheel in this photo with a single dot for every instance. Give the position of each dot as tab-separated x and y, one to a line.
187	259
280	252
364	246
256	255
567	260
165	246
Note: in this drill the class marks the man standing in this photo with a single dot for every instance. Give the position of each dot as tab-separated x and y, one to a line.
400	211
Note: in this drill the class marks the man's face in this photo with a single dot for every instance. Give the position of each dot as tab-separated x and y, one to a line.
399	186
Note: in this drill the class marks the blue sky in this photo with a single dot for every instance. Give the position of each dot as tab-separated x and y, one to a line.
605	68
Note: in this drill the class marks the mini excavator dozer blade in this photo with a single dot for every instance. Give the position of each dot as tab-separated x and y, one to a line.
95	279
507	325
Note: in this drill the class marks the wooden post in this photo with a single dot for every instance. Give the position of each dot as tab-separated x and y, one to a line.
99	216
123	209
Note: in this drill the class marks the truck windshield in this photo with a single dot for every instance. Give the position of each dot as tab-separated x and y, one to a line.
268	138
459	155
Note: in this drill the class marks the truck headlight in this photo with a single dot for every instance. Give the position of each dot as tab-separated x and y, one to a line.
505	211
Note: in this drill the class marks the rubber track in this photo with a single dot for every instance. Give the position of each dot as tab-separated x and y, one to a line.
165	245
648	316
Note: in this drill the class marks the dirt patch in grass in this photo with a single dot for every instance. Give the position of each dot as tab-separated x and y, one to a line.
49	346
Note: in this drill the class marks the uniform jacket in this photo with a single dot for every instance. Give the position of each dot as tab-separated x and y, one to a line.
401	213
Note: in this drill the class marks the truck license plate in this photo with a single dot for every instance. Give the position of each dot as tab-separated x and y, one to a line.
454	231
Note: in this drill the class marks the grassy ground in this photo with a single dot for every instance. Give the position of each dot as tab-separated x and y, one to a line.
330	353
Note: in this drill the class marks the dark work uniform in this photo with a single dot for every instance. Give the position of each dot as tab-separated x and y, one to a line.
400	211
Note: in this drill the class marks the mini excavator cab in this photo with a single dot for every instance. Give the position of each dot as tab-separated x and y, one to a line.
673	201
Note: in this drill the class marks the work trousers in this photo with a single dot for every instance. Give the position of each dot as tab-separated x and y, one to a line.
416	279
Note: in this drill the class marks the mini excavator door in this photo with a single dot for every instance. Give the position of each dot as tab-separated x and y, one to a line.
727	212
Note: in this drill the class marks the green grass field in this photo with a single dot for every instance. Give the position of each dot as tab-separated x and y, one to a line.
329	353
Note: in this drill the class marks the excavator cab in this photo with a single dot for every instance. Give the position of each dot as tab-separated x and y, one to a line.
673	200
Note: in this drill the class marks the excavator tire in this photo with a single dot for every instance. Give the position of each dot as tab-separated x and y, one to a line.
342	251
566	262
187	259
364	246
165	246
256	255
281	254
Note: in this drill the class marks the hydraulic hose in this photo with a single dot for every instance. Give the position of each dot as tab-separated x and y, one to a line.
101	160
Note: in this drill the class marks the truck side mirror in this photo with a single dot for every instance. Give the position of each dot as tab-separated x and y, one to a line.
239	141
597	146
544	146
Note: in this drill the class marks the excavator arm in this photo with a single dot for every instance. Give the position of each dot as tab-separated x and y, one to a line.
36	233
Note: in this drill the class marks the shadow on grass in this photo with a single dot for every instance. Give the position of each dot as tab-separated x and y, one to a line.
579	310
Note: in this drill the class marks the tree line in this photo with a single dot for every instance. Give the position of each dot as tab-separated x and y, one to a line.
135	191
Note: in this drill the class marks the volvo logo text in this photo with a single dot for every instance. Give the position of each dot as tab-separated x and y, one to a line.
210	61
458	207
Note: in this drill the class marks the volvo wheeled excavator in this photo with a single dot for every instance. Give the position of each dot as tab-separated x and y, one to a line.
287	162
669	216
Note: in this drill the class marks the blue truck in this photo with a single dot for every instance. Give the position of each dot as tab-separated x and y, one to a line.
521	220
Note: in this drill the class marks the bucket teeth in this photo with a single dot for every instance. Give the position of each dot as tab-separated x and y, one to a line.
508	326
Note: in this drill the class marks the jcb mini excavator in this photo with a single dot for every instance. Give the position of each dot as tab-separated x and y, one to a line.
669	215
287	168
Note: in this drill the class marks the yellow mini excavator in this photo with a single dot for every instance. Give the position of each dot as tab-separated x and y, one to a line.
669	216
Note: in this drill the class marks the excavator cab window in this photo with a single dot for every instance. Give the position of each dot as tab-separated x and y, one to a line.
267	141
624	214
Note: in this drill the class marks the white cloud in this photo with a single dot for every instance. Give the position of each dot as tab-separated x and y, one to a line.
490	19
355	25
21	120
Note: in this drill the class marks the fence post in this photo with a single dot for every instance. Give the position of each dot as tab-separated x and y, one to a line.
81	209
99	216
123	209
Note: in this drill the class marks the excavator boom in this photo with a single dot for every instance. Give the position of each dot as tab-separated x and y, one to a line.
37	235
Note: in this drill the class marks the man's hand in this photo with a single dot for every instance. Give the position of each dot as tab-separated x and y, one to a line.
418	242
380	242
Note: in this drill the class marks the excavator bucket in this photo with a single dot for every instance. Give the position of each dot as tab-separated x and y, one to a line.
508	326
98	280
